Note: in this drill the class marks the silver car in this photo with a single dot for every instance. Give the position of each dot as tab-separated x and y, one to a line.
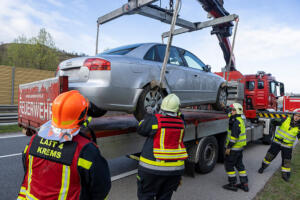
119	79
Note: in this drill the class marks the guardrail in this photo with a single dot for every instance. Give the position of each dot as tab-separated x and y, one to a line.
8	118
5	108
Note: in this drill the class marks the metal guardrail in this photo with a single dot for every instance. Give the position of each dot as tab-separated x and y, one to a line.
8	108
8	114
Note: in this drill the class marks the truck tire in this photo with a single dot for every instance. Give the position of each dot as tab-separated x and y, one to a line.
221	99
208	155
94	111
267	139
148	99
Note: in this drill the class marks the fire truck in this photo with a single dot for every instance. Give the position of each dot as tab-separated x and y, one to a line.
205	130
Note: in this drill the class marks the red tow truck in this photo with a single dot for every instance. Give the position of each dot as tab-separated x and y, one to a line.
206	129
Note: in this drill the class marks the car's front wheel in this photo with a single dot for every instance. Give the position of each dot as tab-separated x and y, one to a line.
221	99
149	100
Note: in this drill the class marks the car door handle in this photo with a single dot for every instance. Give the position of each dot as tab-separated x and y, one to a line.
195	75
167	72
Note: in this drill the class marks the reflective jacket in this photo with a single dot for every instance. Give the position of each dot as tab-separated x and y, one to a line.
286	134
236	133
64	171
163	152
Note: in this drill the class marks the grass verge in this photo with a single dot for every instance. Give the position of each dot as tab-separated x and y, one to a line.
277	189
10	128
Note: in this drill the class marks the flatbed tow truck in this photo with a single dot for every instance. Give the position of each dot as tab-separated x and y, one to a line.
116	135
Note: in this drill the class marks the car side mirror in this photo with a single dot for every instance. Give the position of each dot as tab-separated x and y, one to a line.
207	68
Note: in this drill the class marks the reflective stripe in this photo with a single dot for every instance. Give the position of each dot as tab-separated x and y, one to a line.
231	174
25	148
237	148
161	162
154	126
233	138
20	198
284	169
162	138
282	144
65	182
180	139
183	150
23	190
171	156
286	138
266	162
29	172
84	163
243	173
141	122
30	196
161	168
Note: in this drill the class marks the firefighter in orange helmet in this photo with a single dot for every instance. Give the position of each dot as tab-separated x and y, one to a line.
60	162
162	159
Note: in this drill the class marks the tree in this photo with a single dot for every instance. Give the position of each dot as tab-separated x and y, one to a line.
36	52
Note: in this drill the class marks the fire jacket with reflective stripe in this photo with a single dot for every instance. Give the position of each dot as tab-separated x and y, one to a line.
286	133
236	133
64	171
163	152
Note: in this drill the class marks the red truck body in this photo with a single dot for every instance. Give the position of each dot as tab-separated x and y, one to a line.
290	103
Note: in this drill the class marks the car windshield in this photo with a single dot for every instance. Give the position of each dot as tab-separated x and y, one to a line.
121	50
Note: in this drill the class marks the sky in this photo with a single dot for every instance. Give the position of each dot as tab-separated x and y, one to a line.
268	34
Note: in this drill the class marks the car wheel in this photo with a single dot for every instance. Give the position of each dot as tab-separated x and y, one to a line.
208	155
149	100
94	111
221	99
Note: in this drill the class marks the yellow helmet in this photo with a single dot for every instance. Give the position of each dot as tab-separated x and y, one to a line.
238	107
170	103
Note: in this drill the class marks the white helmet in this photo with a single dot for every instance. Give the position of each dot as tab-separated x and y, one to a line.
238	107
170	103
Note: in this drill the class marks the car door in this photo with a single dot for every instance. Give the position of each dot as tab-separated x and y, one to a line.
176	75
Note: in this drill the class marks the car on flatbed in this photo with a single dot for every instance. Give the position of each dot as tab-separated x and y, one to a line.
120	79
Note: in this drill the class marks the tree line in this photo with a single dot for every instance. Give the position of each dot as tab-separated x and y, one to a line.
37	52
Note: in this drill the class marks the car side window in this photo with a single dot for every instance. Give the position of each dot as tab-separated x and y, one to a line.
192	61
174	57
150	55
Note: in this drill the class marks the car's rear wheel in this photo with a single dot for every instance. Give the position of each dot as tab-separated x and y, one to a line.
94	111
150	99
221	99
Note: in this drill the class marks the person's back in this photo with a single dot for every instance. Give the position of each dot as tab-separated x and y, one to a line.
63	163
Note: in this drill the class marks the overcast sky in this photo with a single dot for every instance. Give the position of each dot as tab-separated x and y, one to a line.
268	36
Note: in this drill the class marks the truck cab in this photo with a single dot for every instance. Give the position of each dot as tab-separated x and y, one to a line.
262	91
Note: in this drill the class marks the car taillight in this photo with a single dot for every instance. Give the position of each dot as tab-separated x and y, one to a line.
97	64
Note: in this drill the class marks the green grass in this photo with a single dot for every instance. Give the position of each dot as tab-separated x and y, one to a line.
10	128
277	189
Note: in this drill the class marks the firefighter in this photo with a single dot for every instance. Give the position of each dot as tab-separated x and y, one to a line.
60	162
162	158
284	139
235	141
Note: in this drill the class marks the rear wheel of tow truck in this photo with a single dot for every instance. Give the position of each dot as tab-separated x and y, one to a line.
267	139
149	99
94	111
221	99
208	155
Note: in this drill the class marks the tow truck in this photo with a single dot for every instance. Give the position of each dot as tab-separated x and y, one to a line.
205	130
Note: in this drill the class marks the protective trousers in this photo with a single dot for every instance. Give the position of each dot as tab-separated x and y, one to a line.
286	155
159	187
232	161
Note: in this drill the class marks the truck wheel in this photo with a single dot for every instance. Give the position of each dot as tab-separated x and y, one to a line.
221	99
267	139
208	155
94	111
148	98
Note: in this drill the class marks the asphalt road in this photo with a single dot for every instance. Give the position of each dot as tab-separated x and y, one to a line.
202	186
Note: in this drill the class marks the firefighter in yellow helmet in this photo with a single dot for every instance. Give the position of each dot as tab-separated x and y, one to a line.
235	141
60	162
284	139
161	162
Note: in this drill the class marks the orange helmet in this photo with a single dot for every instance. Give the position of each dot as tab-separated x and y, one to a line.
69	111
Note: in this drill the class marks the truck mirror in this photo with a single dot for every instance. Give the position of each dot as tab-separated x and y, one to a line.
281	86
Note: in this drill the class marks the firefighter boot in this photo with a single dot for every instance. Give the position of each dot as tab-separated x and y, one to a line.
230	186
243	186
262	168
286	176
